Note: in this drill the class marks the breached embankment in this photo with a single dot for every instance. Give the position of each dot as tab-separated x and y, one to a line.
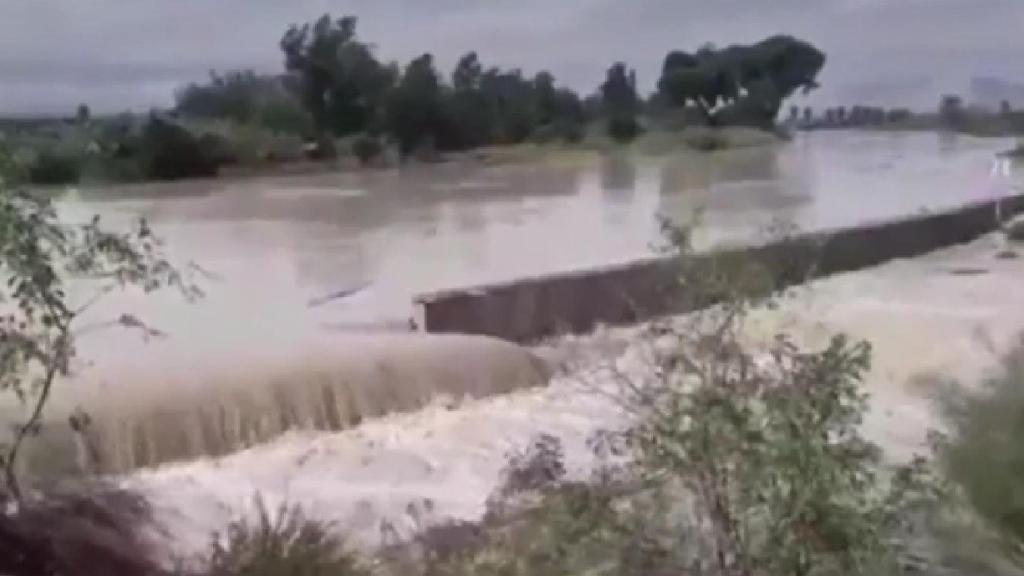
950	312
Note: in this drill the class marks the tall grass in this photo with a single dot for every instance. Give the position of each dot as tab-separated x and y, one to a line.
281	542
983	450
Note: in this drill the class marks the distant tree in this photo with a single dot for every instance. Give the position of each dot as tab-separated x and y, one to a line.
82	115
244	97
794	114
470	111
741	84
342	85
1005	108
414	109
490	105
951	111
621	103
512	99
546	98
468	72
808	115
840	115
570	115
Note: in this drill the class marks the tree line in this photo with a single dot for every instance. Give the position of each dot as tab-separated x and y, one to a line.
335	86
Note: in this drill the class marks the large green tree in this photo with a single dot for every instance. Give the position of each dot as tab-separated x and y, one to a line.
620	101
415	108
470	112
741	84
491	105
342	84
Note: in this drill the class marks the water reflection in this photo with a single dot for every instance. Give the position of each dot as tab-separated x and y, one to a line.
734	194
618	177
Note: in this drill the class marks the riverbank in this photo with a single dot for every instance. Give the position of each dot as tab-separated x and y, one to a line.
88	156
949	313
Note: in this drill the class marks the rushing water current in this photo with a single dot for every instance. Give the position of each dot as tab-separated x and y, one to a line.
304	271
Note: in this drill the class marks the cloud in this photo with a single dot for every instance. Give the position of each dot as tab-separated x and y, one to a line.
117	54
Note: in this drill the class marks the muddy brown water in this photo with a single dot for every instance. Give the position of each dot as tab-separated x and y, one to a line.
303	265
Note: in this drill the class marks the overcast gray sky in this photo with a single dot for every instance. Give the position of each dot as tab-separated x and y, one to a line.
132	54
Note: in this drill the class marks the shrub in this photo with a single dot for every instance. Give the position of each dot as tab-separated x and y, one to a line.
52	167
572	132
281	543
286	115
602	527
544	134
983	452
77	534
41	255
367	148
170	152
623	129
705	140
737	461
763	444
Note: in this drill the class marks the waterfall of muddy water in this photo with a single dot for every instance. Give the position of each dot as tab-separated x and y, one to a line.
921	315
148	418
313	275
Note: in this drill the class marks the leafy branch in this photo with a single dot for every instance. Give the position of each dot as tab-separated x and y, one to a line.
39	256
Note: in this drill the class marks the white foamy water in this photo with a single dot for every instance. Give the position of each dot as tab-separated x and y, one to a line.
923	316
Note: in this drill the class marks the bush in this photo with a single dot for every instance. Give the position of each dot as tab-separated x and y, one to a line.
983	452
538	523
285	115
772	453
705	140
623	129
367	148
77	534
737	462
572	132
544	134
54	168
170	152
282	543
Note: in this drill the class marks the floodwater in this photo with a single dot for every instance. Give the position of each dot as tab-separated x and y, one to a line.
302	272
291	243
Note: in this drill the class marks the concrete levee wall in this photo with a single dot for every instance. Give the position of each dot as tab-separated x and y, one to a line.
533	308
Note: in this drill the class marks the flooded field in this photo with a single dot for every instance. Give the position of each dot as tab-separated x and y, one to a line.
411	470
291	244
309	279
